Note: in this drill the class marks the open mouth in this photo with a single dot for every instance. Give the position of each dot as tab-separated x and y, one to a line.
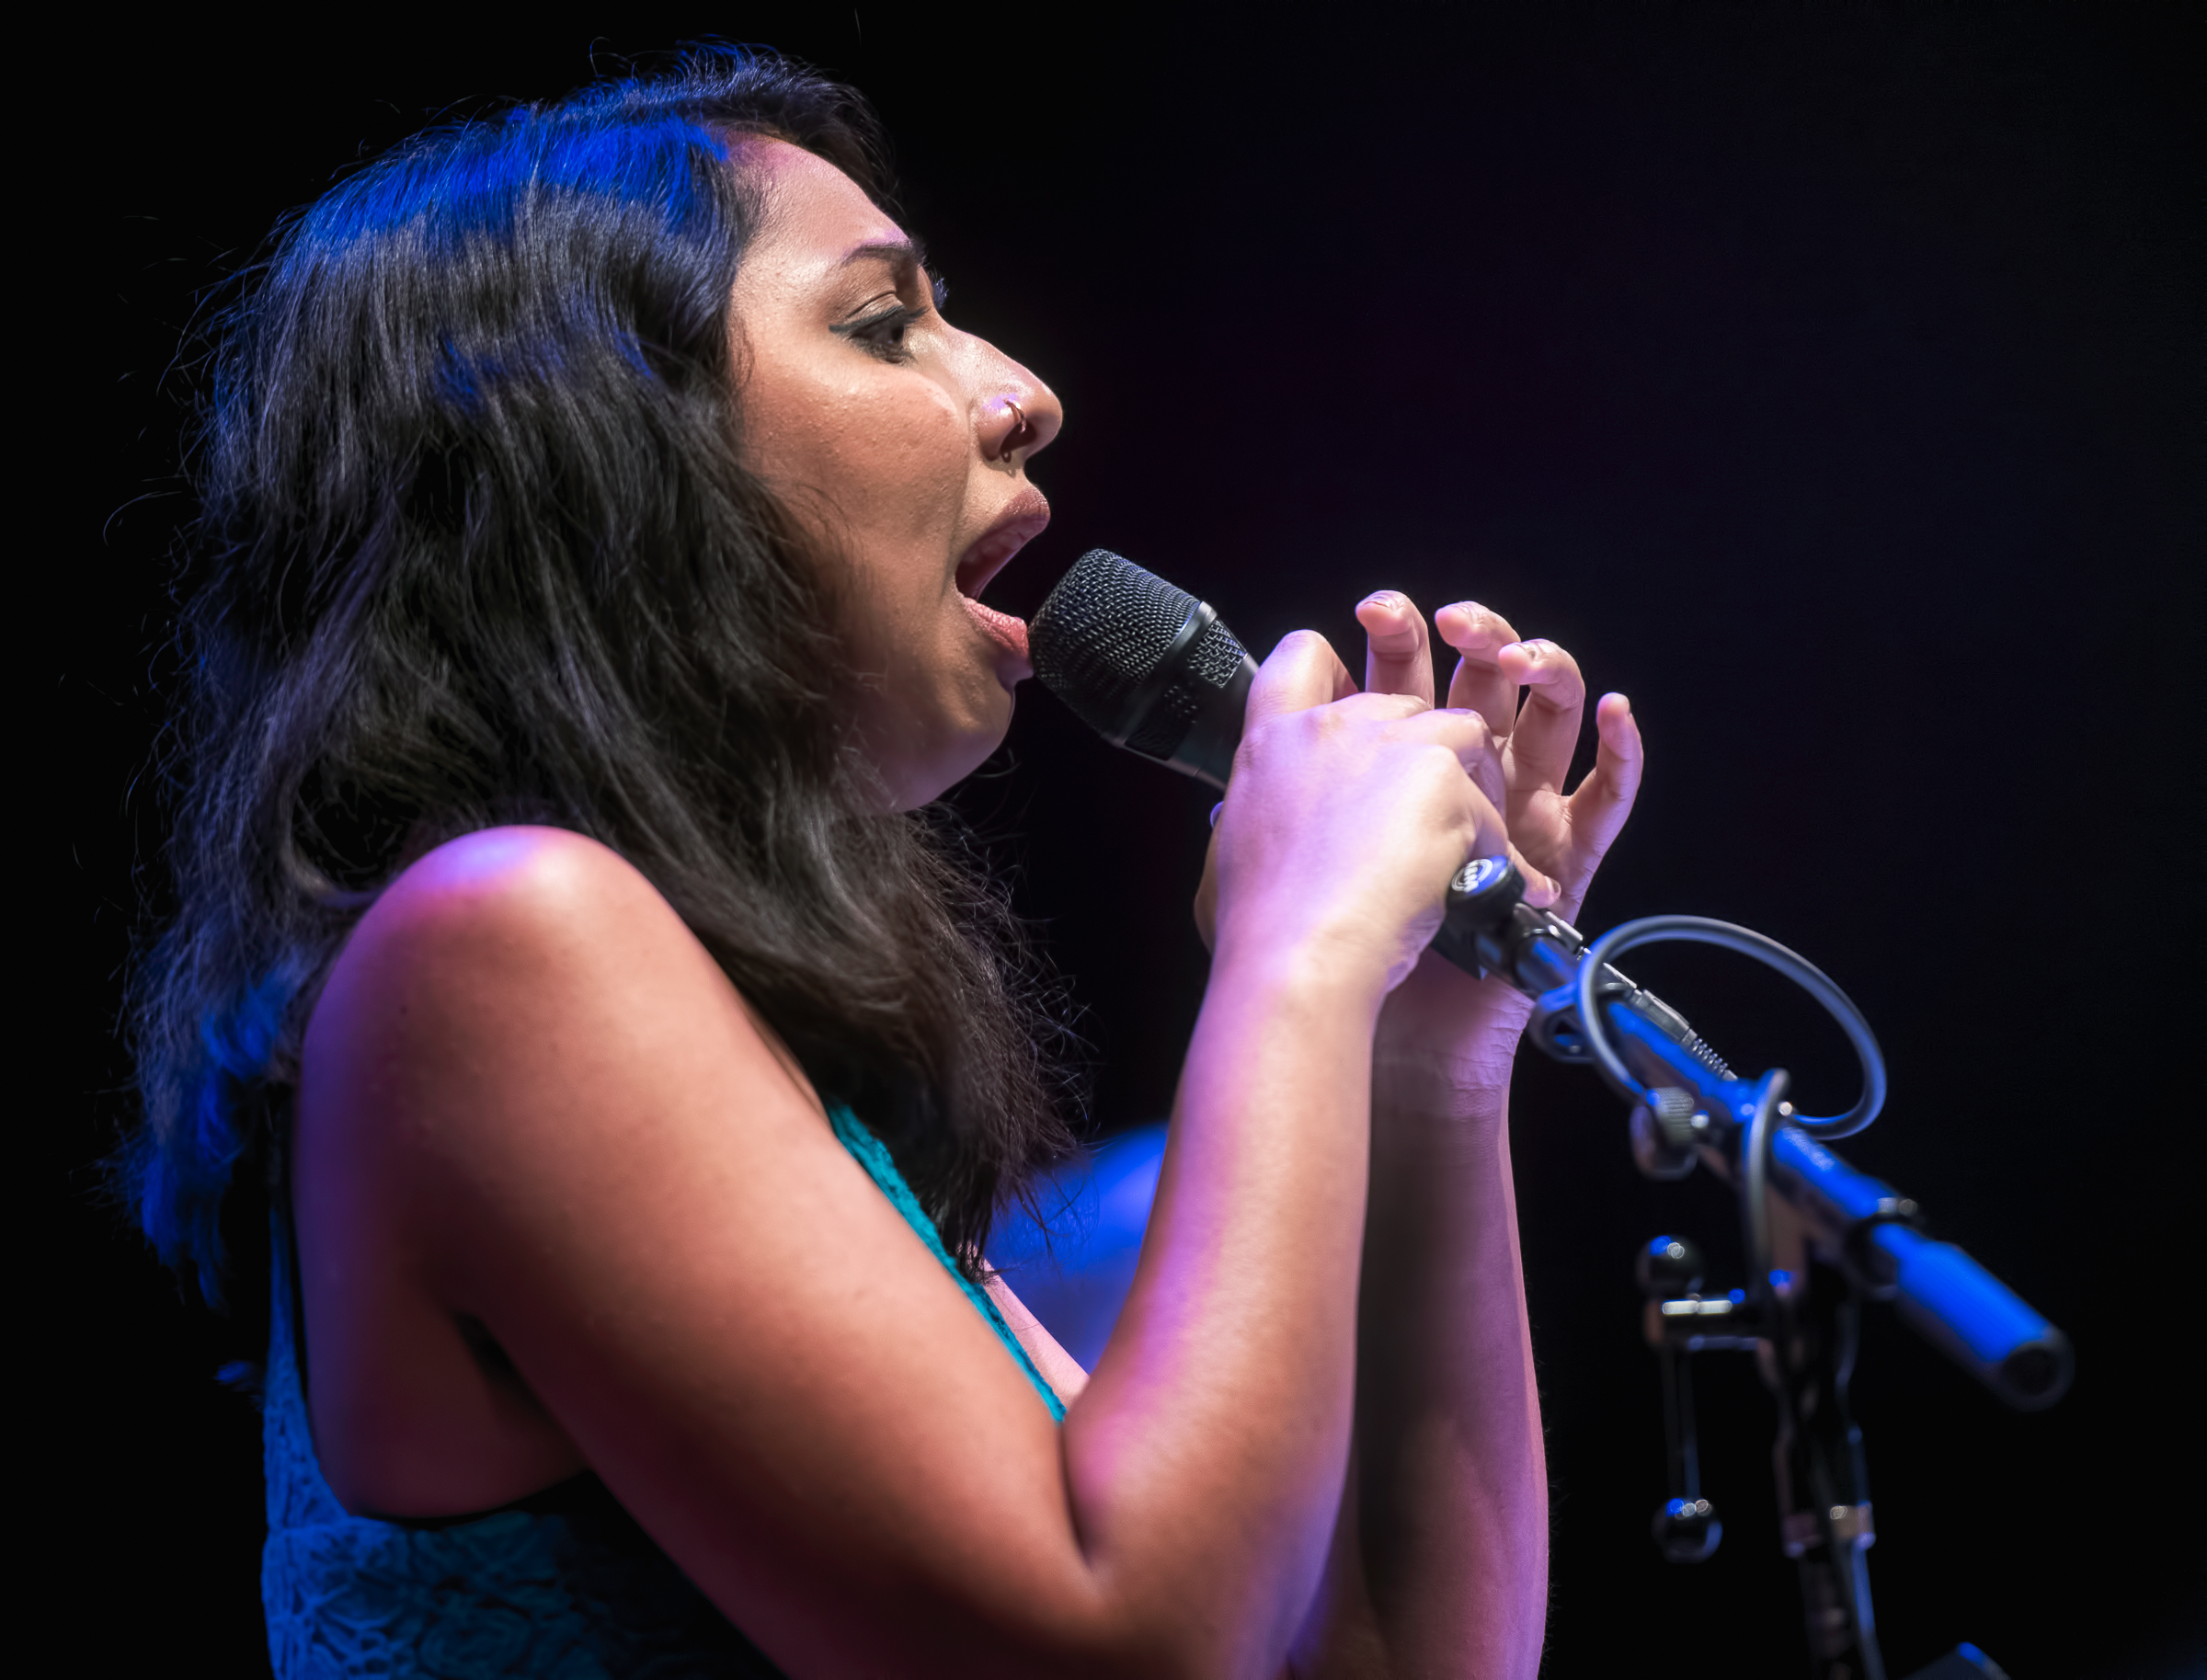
1015	529
1017	526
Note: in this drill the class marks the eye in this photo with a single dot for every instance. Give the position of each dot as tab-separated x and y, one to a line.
882	333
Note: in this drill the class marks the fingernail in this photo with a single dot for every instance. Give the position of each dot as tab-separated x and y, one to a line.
1383	598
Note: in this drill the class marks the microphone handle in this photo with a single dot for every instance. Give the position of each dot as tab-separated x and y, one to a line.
1207	752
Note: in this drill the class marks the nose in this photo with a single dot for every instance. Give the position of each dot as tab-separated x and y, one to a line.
1020	421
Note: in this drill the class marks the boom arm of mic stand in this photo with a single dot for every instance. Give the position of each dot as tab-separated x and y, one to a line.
1856	1222
1866	1229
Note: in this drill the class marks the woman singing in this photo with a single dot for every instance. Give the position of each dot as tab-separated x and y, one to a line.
596	503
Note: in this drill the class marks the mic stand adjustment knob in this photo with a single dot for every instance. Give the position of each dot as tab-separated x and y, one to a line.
1666	1128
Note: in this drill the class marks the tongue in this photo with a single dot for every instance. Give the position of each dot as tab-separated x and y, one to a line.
1000	626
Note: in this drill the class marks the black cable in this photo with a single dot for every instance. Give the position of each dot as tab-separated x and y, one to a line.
1702	931
1754	1192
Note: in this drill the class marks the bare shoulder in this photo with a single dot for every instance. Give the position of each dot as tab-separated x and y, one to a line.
532	1098
523	1063
507	978
534	894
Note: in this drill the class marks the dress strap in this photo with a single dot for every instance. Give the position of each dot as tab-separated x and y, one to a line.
872	1154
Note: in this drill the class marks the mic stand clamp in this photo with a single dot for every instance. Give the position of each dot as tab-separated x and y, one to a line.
1825	1517
1680	1323
1802	1331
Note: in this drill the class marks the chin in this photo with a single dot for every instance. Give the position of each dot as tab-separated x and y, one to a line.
980	743
924	784
930	742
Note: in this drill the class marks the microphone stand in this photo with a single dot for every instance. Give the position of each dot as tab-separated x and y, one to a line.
1819	1235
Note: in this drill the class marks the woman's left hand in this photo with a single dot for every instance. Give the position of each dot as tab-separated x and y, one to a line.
1441	1021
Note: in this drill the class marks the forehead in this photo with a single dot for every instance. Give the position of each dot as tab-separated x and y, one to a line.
814	212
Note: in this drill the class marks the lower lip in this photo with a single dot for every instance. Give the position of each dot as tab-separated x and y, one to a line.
1006	632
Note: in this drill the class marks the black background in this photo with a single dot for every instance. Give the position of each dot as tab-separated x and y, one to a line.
1825	376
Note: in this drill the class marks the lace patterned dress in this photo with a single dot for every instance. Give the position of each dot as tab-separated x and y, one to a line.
563	1585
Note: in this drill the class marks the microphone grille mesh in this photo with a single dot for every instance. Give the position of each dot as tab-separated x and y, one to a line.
1102	632
1217	655
1209	666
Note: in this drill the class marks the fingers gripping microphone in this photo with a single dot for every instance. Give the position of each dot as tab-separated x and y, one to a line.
1151	668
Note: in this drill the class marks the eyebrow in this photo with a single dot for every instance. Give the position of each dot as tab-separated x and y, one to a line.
900	252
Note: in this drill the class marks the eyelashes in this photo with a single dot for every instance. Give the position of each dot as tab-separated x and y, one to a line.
882	333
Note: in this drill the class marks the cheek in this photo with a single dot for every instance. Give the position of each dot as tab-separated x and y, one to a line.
881	465
896	464
901	474
877	449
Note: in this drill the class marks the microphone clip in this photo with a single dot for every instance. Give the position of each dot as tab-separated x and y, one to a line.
1488	930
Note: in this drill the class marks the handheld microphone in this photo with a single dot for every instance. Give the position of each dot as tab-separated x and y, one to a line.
1155	670
1145	665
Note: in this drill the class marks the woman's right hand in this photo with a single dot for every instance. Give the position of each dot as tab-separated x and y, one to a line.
1349	813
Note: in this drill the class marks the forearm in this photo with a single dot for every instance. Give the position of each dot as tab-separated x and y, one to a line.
1205	1458
1441	1560
1440	1557
1213	1441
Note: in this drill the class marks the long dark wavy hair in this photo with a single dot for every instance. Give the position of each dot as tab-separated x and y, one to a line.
475	545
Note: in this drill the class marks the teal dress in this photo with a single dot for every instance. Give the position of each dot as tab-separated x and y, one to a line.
564	1583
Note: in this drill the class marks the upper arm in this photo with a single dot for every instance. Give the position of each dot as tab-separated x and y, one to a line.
575	1130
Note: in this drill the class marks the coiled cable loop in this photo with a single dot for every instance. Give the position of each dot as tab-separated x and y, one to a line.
1729	936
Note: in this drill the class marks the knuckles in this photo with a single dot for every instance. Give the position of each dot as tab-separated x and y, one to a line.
1366	730
1472	730
1374	752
